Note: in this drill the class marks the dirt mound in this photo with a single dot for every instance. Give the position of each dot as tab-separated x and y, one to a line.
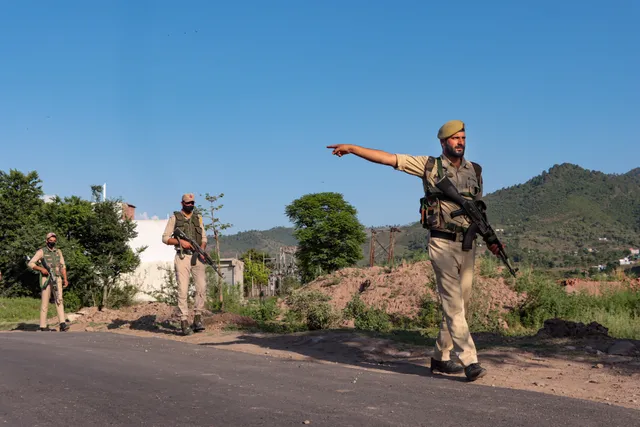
558	328
593	287
401	290
150	316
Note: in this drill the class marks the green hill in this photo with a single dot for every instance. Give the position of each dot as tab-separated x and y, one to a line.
266	241
559	218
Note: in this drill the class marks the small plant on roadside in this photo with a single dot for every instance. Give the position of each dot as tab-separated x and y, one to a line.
367	318
313	309
489	266
430	314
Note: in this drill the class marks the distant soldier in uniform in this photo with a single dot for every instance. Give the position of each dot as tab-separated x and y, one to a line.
55	261
453	267
191	224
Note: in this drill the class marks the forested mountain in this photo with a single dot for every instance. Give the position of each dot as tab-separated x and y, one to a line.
567	216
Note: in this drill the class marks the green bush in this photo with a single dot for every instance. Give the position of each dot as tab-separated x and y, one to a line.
122	296
618	310
287	285
265	310
489	266
367	318
430	314
71	300
231	298
313	309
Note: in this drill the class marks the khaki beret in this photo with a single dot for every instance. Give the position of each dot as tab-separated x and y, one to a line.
51	235
450	128
189	197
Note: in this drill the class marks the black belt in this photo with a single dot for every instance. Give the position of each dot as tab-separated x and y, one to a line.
444	235
185	251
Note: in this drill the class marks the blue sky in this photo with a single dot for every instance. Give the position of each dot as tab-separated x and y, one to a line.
157	99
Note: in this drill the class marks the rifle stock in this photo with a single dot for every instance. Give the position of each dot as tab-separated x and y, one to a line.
180	235
51	280
474	210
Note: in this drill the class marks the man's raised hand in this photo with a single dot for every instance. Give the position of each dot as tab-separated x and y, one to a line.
341	149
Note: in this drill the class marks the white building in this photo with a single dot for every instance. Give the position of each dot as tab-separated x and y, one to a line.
156	261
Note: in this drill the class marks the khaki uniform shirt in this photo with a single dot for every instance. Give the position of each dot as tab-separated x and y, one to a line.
40	253
168	230
464	179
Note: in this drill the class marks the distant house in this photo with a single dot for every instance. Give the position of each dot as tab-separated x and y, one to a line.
634	251
625	261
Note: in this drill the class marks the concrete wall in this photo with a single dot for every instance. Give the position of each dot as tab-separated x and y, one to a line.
232	269
149	276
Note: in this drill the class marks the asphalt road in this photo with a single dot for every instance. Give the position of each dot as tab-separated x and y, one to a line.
102	379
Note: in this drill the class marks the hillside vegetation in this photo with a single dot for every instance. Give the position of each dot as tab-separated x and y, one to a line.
558	219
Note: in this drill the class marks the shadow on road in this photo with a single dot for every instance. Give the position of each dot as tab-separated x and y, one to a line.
147	323
347	348
409	352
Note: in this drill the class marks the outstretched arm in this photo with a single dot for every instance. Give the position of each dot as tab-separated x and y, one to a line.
375	156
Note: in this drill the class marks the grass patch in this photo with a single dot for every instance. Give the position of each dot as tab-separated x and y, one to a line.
20	310
617	310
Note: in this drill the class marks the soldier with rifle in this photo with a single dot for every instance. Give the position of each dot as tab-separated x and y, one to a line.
49	262
452	211
185	231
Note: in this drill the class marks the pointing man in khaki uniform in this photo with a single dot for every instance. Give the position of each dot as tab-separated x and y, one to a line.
191	224
55	261
453	267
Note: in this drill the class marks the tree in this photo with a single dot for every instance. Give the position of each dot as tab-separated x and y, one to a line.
255	273
328	231
216	226
257	268
256	255
21	232
107	250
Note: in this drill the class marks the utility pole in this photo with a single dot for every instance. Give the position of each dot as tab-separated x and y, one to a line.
372	249
392	241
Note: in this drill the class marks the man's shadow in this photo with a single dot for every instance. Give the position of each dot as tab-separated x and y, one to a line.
147	323
349	348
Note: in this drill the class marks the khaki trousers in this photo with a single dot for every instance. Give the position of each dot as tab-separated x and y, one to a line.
44	302
453	269
183	269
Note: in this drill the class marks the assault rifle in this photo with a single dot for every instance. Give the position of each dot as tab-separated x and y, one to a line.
197	250
51	280
475	211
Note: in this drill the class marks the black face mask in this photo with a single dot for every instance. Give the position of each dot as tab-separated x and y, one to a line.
188	209
51	245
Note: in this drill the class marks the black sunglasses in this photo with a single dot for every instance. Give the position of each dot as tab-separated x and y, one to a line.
189	203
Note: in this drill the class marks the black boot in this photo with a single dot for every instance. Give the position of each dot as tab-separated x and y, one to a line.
64	327
197	323
186	330
447	367
474	371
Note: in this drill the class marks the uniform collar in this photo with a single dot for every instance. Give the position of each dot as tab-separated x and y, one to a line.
447	163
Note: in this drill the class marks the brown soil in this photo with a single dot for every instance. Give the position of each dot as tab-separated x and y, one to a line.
597	288
152	316
401	290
